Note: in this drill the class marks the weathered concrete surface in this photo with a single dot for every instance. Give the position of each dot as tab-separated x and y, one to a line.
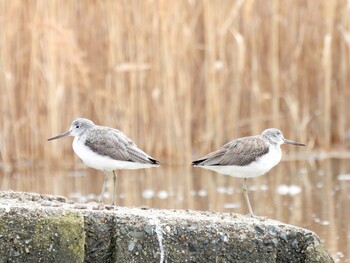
32	229
36	228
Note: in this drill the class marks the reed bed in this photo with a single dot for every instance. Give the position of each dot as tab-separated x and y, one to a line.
180	78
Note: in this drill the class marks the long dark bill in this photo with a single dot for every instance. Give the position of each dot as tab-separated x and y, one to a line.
67	133
294	143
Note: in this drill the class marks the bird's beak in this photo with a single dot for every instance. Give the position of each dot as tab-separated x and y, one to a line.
294	143
67	133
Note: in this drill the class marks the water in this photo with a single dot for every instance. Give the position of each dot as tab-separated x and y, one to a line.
314	194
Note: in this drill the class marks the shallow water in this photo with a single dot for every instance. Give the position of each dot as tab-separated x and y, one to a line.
314	194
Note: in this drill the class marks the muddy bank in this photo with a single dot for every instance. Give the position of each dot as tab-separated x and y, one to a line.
38	228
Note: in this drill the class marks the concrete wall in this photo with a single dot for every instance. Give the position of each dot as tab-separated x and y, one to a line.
35	228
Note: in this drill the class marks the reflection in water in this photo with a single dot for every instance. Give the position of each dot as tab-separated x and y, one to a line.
310	194
284	189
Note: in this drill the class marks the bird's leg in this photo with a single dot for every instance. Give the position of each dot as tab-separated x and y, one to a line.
245	191
114	185
104	186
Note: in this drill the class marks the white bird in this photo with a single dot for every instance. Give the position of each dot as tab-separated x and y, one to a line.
247	157
106	149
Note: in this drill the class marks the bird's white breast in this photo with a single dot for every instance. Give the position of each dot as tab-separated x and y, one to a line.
261	166
100	162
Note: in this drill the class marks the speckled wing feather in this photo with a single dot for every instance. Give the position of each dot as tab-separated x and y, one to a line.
238	152
116	145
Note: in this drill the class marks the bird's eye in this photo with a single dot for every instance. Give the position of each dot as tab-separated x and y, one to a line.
77	126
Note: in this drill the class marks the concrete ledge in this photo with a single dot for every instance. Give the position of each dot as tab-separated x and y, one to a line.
36	228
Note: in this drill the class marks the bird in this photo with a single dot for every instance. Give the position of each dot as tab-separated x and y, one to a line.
247	157
106	149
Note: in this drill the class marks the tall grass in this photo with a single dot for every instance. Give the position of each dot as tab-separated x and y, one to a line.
180	78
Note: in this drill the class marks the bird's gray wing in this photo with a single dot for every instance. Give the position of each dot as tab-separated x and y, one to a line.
116	145
212	158
137	155
244	151
108	142
238	152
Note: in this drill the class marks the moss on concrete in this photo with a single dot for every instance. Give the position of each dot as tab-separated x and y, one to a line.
41	236
65	231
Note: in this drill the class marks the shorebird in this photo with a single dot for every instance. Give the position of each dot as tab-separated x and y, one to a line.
106	149
247	157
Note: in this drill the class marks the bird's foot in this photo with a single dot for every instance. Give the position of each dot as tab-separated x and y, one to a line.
109	207
99	206
252	215
261	218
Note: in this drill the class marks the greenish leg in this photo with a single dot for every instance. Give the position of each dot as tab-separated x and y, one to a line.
104	186
245	191
114	186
